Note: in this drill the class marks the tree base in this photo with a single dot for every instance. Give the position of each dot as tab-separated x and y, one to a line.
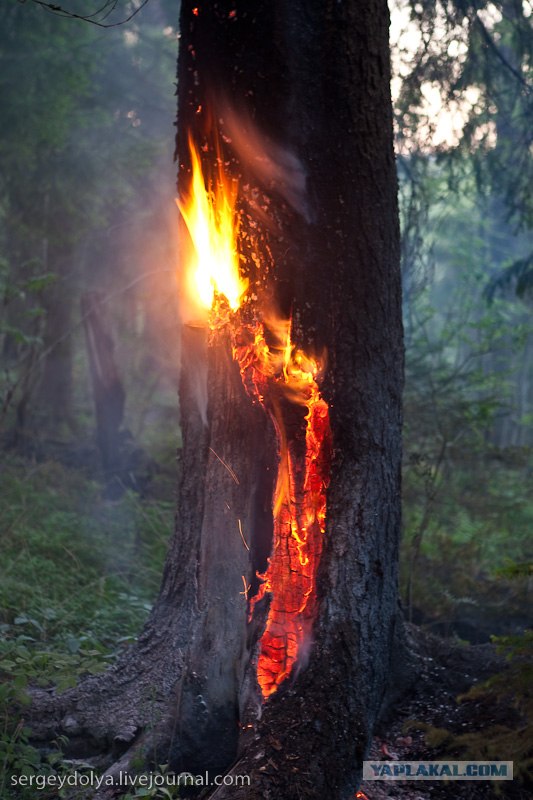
128	719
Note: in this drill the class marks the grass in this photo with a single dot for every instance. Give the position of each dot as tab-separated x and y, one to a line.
78	576
77	579
476	555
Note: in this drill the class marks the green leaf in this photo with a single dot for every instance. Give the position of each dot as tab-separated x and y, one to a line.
40	282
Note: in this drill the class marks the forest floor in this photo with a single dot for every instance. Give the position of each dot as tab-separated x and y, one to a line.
467	704
77	578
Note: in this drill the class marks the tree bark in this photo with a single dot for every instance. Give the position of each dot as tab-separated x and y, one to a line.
314	78
54	397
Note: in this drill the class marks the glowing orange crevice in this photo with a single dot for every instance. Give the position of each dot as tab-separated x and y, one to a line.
283	380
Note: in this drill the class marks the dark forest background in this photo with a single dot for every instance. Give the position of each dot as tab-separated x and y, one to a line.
88	252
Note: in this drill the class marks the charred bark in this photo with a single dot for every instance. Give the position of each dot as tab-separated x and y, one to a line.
314	77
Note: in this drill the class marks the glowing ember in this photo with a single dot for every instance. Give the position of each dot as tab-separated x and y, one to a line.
283	380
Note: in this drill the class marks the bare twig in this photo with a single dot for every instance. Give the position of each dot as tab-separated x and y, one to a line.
108	7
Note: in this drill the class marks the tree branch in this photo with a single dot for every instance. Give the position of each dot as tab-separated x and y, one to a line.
494	47
108	7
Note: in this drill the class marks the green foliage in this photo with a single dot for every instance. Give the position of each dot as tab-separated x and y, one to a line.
86	147
434	737
512	736
477	55
17	756
160	789
77	579
514	685
517	275
467	508
514	570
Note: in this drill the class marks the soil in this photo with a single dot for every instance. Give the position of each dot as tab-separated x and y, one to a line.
446	671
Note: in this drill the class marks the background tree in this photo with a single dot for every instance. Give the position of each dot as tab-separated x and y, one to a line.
83	185
464	370
463	116
471	61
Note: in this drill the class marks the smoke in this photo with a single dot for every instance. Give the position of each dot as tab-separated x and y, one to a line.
304	650
275	167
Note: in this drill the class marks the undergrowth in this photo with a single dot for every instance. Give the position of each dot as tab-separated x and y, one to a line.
77	579
500	714
513	687
472	577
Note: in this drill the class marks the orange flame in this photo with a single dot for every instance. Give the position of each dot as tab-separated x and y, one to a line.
211	220
284	381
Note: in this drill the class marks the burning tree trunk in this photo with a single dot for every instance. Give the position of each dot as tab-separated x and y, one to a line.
317	175
276	637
